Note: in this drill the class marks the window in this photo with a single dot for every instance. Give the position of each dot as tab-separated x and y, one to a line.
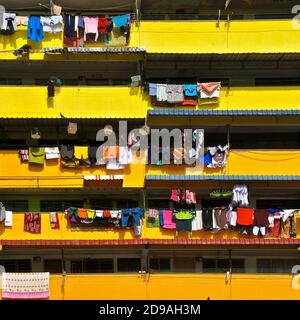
129	265
222	265
92	266
53	265
160	264
21	265
16	205
184	264
59	205
159	204
276	265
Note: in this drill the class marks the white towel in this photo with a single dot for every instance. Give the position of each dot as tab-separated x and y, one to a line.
8	219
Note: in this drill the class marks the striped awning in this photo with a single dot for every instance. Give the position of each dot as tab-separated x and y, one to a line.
122	242
222	177
258	112
94	50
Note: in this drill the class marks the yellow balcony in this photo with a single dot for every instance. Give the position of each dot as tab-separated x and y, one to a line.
194	287
125	102
198	37
14	174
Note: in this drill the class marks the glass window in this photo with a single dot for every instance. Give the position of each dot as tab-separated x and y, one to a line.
160	264
98	266
20	265
276	265
16	205
222	265
129	265
184	264
53	265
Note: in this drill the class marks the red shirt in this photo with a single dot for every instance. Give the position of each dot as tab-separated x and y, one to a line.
102	24
245	216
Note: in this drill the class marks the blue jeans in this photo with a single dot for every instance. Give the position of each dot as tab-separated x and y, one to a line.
136	213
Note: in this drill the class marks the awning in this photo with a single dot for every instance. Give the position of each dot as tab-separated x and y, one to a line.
259	112
211	57
122	242
221	177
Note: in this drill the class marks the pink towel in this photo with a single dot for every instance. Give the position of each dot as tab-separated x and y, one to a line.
90	26
169	223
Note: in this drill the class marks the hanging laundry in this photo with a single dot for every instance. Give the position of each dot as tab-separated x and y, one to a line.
184	214
174	93
52	153
153	89
72	214
54	220
52	24
136	213
161	92
91	27
55	9
81	154
190	101
209	90
2	212
9	24
22	20
190	90
82	213
67	154
110	153
24	155
207	219
37	155
197	223
25	285
221	218
125	155
245	216
218	156
121	21
69	26
32	222
240	196
184	225
175	195
35	30
8	219
79	29
274	220
232	218
168	220
102	25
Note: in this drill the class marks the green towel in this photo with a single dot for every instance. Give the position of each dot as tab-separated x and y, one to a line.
37	155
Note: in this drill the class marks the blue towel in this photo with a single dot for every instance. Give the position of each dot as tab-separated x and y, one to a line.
35	30
153	89
121	21
207	158
190	90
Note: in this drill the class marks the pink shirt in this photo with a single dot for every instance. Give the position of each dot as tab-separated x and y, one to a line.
168	220
90	26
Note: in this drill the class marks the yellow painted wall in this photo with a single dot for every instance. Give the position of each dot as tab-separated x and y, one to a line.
124	102
187	37
78	102
177	287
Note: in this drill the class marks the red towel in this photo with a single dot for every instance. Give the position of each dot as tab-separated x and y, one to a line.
102	24
245	216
